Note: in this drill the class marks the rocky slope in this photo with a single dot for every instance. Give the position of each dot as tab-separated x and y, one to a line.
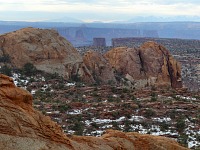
151	64
99	67
45	49
22	128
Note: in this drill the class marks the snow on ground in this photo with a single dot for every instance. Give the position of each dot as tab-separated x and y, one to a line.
192	135
137	118
75	112
186	98
107	121
70	84
162	119
97	133
107	126
17	80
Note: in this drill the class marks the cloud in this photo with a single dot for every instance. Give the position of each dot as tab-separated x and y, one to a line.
104	9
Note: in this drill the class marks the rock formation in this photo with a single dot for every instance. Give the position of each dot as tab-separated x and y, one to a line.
151	64
158	62
99	42
45	49
22	128
126	62
99	67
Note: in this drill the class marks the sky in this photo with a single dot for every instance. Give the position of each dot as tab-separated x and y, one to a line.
96	10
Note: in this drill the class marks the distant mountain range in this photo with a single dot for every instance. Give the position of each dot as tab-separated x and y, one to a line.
164	19
88	31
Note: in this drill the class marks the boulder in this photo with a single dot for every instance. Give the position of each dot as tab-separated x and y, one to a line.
149	65
46	50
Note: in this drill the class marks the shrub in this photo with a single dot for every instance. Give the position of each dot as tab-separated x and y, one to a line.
153	97
164	126
5	58
149	113
180	125
78	128
29	69
183	140
6	70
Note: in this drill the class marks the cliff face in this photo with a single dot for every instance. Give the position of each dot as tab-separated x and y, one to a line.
46	50
22	128
99	67
151	64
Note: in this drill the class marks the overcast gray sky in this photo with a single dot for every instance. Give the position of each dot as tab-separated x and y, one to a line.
95	10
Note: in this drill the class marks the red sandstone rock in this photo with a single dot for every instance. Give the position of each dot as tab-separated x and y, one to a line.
99	67
151	64
45	49
158	62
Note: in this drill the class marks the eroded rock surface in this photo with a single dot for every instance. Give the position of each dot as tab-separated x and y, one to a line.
47	50
151	64
22	128
99	67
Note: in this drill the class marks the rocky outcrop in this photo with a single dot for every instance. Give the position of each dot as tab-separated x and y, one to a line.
158	62
126	63
99	42
45	49
22	128
151	64
99	67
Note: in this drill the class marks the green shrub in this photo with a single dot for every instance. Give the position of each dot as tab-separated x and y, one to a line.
180	125
149	113
5	58
29	69
6	70
183	140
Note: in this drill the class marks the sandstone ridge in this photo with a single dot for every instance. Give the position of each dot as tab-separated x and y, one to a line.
22	128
